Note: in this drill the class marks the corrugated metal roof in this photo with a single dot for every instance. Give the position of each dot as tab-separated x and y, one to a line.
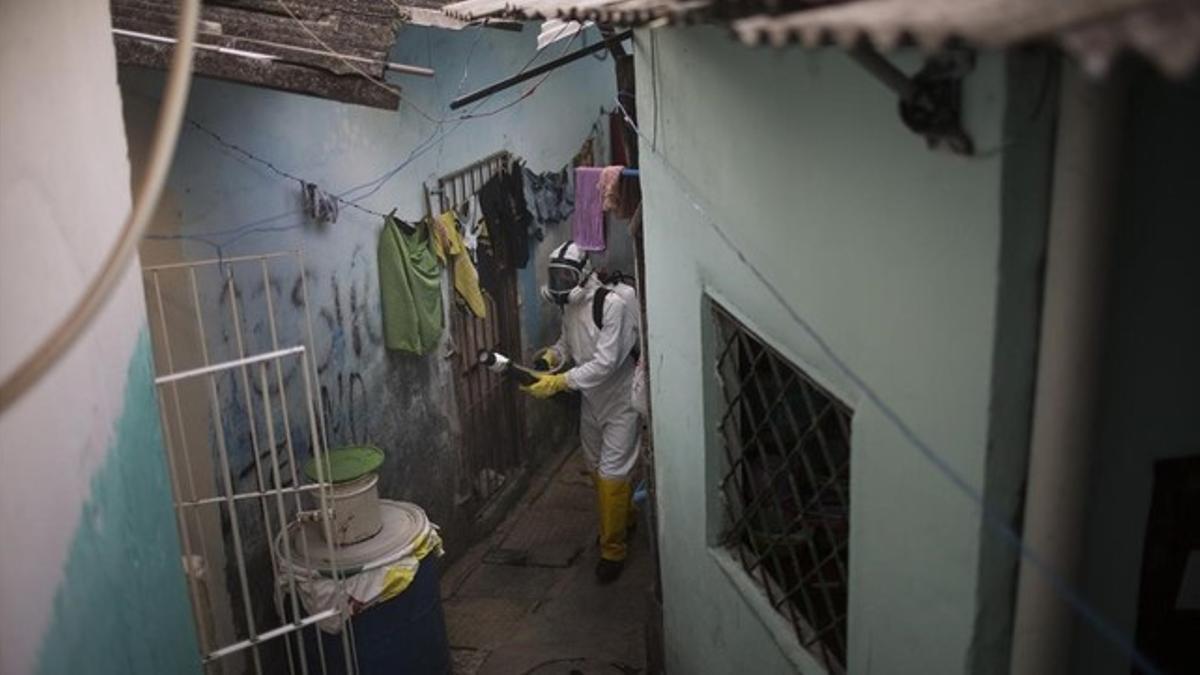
928	23
1166	31
1095	31
623	12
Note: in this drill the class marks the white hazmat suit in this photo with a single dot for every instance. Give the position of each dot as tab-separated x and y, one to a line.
604	354
608	425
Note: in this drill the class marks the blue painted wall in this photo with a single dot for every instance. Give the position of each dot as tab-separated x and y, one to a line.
400	401
218	203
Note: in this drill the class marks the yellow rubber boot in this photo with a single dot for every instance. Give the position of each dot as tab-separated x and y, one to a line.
614	497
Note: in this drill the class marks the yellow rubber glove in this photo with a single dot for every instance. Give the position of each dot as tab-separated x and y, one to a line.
548	355
547	385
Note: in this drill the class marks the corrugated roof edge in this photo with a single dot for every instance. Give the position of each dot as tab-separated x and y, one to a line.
1095	32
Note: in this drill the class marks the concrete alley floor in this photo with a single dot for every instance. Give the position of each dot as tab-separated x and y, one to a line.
526	600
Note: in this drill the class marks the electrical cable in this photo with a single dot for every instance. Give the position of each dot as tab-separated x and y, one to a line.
112	270
271	166
238	232
349	64
987	514
379	182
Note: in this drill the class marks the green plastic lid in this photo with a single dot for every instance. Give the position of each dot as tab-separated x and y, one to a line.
347	463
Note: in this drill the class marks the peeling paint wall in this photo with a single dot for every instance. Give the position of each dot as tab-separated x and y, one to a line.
226	205
90	574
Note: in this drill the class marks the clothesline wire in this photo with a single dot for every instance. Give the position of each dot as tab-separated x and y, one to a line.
271	165
380	181
988	514
256	226
462	81
351	65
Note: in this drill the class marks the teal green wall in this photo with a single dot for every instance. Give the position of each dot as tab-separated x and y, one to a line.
1031	104
122	605
899	256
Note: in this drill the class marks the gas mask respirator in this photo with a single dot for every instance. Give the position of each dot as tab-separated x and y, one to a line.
566	284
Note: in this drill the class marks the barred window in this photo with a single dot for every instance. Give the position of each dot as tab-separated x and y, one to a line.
786	486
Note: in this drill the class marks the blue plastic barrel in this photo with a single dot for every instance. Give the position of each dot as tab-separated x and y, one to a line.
403	636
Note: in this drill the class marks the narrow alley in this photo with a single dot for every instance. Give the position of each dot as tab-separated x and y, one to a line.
525	601
599	337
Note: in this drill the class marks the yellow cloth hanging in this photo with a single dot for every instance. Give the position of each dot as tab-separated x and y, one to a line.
448	245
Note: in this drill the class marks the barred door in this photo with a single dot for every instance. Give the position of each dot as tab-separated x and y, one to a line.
491	417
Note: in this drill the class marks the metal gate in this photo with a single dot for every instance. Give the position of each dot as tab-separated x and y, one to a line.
236	377
491	416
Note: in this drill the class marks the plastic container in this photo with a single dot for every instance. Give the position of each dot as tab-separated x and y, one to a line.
403	636
355	510
354	492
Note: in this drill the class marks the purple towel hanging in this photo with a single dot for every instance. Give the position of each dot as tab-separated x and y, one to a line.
587	225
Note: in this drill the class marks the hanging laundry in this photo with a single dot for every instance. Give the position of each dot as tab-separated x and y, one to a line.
587	227
586	156
319	204
549	198
517	239
491	264
514	181
448	245
610	185
618	140
410	287
502	199
471	218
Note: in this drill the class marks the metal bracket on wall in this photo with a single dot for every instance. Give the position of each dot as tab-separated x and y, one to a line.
931	100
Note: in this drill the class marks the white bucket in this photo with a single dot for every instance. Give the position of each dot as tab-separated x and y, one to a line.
355	507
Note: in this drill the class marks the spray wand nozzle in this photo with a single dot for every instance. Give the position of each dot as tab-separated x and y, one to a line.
501	364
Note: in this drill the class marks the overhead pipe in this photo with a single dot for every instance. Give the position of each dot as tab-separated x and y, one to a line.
1078	252
534	72
883	70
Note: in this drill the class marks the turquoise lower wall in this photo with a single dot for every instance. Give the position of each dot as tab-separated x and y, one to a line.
122	605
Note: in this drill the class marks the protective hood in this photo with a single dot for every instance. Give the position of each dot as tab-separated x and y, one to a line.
568	270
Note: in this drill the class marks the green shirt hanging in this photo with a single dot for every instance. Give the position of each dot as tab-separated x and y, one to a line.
410	284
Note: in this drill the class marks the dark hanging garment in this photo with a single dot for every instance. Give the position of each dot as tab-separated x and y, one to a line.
522	218
502	200
491	205
489	263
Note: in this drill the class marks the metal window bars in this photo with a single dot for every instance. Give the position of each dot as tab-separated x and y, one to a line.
236	432
785	486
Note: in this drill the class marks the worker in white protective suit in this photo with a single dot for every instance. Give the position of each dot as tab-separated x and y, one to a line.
600	334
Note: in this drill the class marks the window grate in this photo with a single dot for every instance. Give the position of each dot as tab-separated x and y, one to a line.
786	486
